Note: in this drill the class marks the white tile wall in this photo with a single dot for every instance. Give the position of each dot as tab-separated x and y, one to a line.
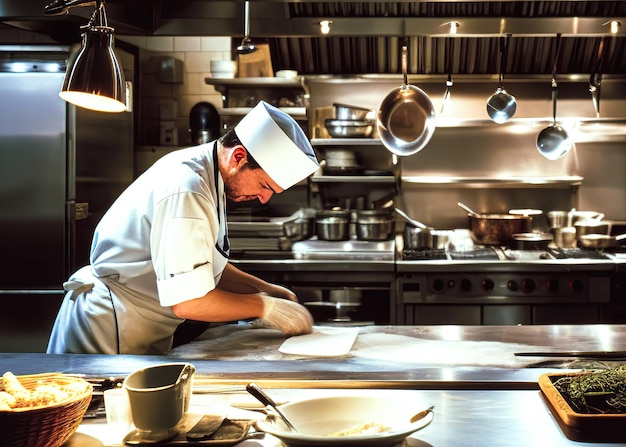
196	54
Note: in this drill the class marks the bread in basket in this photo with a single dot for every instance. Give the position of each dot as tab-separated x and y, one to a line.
41	410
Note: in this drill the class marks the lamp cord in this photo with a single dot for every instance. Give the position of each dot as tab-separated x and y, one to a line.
99	15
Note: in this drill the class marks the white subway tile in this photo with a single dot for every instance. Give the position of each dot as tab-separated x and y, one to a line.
160	43
184	43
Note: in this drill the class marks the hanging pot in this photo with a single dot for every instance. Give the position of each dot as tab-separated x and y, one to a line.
501	106
553	142
406	117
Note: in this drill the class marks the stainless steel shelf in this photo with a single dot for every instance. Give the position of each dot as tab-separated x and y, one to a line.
346	142
510	182
295	112
385	179
255	82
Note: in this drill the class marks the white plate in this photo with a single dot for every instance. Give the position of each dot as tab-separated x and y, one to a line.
322	342
316	418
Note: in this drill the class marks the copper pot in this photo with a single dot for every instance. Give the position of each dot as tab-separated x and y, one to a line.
498	229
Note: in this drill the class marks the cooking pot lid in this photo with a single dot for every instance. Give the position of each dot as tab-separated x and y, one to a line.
532	237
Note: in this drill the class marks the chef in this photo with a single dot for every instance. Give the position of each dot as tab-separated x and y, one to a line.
159	256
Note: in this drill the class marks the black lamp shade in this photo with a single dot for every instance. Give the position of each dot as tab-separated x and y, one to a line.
94	79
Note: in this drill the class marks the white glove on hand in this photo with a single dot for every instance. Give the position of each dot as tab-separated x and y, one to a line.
287	316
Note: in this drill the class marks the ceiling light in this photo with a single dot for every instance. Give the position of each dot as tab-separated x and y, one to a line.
454	26
325	26
94	79
613	26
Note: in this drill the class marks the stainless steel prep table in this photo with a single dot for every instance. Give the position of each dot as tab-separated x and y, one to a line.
463	418
475	405
233	363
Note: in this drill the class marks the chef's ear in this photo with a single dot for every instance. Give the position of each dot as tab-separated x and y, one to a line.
240	154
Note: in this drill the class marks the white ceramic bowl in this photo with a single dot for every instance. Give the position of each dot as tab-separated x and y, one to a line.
287	74
316	419
223	69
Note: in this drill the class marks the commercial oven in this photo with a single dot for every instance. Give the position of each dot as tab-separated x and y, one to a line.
581	288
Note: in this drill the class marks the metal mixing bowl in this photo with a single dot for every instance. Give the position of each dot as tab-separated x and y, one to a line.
349	128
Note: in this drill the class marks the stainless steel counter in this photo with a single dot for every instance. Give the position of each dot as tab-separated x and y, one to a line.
476	404
463	418
430	357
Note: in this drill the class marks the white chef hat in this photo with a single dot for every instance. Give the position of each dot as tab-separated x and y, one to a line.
278	144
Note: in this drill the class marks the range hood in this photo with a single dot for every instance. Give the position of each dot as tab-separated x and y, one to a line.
365	36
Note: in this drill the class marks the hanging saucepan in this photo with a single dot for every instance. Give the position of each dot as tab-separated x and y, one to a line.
553	142
501	106
406	117
600	241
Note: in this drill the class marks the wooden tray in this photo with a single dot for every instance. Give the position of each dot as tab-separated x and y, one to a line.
580	426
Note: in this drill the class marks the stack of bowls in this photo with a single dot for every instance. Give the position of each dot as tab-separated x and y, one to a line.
223	69
341	162
350	122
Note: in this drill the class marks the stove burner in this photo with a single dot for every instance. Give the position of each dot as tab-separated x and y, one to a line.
424	255
576	253
485	253
478	253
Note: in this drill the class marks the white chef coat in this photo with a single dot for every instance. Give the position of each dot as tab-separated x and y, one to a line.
163	241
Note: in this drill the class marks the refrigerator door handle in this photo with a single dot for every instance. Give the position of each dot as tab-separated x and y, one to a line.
70	236
82	210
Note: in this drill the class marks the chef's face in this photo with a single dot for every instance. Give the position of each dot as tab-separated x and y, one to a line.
243	183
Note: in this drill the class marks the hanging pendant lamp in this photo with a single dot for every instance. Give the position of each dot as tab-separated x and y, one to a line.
94	79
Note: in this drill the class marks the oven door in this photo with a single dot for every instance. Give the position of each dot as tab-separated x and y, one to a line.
345	298
503	298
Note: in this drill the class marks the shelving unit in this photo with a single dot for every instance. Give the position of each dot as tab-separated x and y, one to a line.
379	173
239	95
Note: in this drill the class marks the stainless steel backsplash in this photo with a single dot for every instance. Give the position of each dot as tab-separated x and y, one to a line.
467	145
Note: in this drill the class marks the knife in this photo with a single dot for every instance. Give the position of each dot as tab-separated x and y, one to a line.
618	355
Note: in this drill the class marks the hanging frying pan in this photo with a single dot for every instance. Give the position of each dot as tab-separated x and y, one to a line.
406	117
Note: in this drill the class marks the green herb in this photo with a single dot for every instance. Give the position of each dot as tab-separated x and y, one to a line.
595	392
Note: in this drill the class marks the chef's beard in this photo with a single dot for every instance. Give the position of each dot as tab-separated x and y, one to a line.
234	194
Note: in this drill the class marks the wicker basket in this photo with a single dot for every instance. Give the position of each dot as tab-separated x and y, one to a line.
44	426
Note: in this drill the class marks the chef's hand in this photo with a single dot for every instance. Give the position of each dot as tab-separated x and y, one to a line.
287	316
279	292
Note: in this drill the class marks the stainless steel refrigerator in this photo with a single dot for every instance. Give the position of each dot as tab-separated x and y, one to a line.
60	169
